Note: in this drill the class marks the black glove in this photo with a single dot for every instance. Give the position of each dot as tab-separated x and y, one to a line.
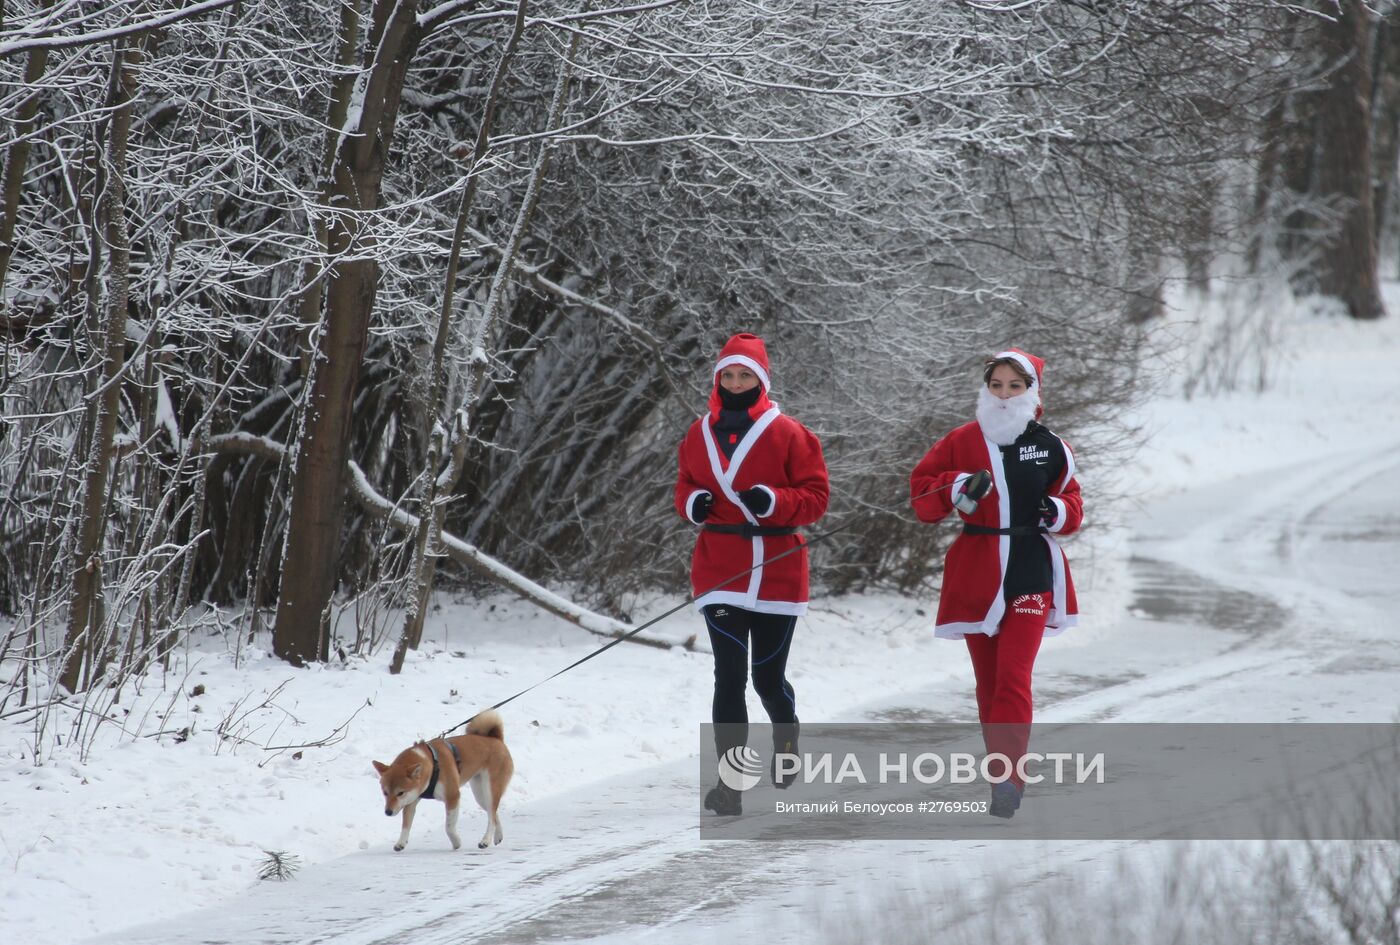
1048	511
702	506
974	488
758	501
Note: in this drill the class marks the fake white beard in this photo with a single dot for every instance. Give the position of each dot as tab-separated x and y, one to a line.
1004	420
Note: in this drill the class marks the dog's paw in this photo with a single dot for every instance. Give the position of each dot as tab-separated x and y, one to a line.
456	844
481	845
398	847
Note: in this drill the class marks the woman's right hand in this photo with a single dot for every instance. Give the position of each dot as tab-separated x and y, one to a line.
974	489
702	506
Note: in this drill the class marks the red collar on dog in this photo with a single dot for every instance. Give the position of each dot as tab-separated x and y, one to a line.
432	782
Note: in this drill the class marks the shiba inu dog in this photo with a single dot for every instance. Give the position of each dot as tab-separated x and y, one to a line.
437	769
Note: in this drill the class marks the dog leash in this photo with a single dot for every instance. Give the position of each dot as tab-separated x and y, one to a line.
814	539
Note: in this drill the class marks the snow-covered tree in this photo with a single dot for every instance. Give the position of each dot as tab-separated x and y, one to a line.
309	283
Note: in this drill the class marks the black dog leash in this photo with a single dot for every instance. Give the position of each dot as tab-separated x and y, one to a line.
820	537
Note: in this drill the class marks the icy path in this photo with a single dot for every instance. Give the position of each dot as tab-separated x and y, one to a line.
1257	600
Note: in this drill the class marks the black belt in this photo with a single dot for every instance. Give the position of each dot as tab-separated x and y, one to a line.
749	531
1013	530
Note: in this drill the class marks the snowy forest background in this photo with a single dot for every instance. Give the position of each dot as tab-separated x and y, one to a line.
290	288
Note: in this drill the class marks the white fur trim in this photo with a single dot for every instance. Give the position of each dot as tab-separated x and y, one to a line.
772	502
998	608
1060	515
1022	360
1057	620
756	575
752	365
690	504
734	598
725	478
956	631
1068	474
747	443
1070	468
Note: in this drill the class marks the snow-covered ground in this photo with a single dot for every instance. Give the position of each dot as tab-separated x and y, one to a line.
1236	588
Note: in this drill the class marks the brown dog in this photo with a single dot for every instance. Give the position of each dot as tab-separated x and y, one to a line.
436	769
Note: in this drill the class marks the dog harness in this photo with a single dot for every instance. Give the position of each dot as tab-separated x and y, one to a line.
432	782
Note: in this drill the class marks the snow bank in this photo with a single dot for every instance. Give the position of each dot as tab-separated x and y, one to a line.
264	757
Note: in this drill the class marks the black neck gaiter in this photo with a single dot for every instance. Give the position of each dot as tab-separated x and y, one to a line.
734	420
744	401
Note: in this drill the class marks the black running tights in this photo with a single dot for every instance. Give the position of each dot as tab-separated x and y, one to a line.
739	637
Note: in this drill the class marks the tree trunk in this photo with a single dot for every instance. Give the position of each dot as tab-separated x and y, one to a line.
86	600
1143	282
312	293
430	512
17	156
1265	174
311	553
1385	115
1347	268
1199	235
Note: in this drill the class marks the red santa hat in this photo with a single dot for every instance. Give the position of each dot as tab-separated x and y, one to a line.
1034	368
748	350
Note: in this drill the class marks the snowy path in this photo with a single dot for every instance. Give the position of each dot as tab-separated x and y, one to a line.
1257	600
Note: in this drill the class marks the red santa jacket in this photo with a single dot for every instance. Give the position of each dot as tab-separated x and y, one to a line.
777	452
973	598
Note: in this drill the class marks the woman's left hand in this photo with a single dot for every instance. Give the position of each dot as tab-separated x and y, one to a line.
759	500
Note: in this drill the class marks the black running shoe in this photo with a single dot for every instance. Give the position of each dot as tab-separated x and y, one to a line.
1006	798
724	800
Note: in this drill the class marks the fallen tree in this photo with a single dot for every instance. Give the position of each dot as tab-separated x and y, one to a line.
458	550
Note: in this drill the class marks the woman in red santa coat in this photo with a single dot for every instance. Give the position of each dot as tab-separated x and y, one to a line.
1006	583
749	476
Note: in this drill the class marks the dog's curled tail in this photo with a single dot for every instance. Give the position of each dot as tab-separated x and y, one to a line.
487	723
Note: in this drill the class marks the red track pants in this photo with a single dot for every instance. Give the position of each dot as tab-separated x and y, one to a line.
1002	665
